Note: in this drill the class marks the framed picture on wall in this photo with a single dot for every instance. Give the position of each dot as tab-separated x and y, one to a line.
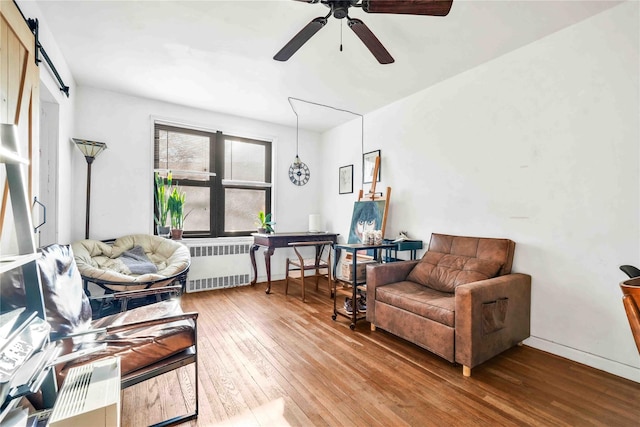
368	164
345	179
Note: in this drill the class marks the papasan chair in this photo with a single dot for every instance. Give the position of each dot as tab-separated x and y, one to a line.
134	262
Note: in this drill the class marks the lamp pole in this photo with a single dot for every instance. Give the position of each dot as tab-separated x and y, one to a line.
88	209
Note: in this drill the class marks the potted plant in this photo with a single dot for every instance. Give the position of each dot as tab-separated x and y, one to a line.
162	204
265	225
176	209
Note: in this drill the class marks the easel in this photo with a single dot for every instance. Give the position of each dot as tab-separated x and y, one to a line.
372	196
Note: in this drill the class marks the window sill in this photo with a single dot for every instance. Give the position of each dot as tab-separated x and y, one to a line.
207	240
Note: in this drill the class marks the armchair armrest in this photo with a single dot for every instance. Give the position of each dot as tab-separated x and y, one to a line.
152	322
176	290
139	293
491	316
384	274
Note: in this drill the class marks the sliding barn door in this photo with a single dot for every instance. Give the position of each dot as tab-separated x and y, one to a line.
19	99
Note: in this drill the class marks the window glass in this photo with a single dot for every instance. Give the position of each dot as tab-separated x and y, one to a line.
197	209
244	161
199	161
242	207
180	151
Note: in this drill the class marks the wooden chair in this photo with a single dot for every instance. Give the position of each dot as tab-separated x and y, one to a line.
631	300
321	267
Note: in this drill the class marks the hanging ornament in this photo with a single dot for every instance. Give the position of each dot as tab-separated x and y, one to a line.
299	173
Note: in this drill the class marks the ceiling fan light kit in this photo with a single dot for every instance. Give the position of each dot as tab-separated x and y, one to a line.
340	10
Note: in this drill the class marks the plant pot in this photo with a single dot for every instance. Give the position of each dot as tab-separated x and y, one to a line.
163	231
176	234
262	230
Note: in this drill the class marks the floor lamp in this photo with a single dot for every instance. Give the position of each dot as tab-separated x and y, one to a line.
90	150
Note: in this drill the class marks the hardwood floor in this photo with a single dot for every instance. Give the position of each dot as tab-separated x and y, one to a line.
273	360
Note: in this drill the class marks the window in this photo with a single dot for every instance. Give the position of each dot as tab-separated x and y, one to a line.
227	179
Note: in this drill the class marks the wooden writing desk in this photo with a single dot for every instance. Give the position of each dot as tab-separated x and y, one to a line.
280	240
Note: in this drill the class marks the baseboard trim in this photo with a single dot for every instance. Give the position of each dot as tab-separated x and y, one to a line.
615	368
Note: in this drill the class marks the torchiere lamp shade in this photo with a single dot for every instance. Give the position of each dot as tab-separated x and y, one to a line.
90	149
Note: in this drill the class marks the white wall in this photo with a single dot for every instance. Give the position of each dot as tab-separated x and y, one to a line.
539	146
122	176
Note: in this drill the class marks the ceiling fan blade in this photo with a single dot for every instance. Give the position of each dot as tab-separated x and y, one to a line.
370	41
409	7
299	39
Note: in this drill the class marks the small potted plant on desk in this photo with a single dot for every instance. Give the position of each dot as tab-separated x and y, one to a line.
176	208
265	225
162	204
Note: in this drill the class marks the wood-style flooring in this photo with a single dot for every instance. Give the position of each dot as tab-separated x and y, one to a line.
273	360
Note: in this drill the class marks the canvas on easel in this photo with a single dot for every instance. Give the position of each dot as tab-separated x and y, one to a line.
368	215
369	211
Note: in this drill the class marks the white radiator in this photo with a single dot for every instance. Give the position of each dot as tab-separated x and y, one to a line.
90	396
219	265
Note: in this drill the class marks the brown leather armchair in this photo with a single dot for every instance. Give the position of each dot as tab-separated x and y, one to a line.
460	301
150	340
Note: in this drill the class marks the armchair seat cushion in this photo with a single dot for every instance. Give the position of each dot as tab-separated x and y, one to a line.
421	300
141	347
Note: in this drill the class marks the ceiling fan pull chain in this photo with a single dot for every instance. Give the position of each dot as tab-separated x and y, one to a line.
341	26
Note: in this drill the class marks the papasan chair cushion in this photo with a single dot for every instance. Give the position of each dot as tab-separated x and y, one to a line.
137	261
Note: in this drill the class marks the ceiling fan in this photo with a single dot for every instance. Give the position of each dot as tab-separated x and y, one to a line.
340	8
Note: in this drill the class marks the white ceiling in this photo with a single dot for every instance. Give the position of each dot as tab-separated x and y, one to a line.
217	55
